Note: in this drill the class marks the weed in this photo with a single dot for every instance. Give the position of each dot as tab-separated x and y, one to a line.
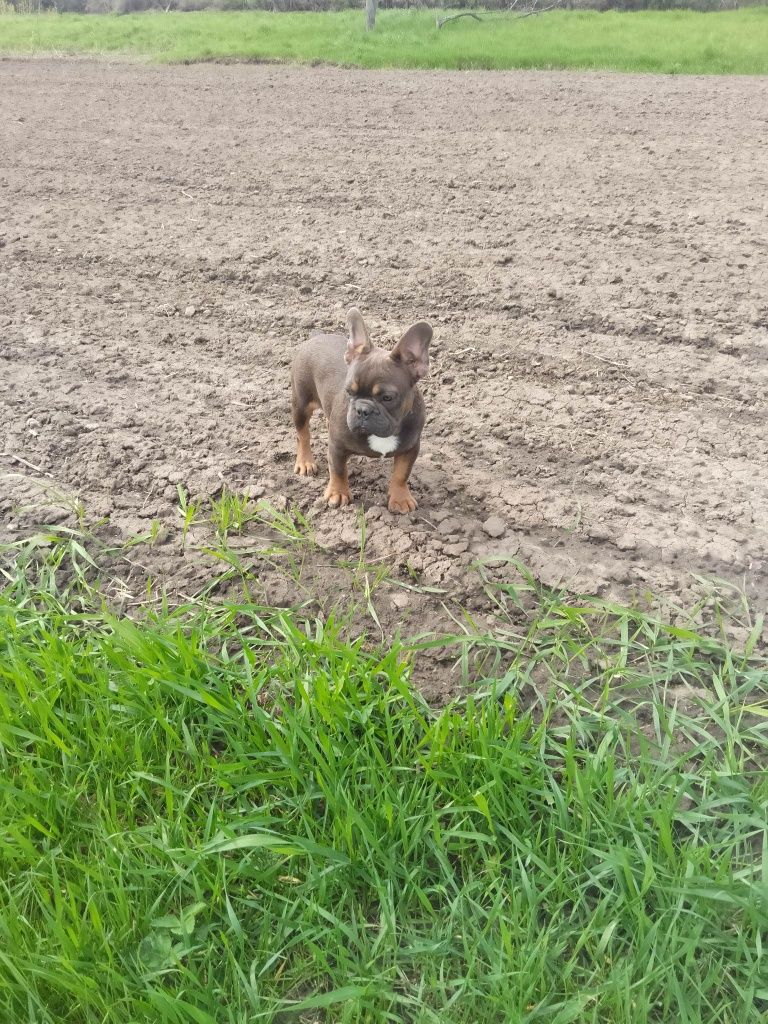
190	512
230	511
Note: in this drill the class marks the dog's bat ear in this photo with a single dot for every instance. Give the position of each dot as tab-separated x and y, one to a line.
359	343
413	350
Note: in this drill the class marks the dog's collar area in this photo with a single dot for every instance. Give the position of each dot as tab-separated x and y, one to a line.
383	445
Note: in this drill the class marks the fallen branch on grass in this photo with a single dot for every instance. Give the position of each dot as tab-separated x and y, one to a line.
464	14
537	10
524	12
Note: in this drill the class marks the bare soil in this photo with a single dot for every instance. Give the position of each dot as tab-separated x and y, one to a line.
591	250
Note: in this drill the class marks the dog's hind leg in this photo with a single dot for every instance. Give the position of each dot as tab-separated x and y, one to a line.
303	405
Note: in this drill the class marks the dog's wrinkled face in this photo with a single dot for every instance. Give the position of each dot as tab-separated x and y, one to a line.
380	394
380	384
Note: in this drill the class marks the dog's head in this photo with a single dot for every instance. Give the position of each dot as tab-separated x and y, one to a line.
380	384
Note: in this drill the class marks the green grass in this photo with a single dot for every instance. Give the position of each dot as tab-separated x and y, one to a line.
226	814
728	42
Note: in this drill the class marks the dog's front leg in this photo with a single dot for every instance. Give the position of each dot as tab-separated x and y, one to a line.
400	497
337	492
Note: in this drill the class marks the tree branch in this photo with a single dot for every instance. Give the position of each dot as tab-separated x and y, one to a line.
540	10
464	14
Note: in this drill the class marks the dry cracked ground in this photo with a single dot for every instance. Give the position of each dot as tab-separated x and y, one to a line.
591	250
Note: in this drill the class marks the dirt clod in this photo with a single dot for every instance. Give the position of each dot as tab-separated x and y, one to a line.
494	526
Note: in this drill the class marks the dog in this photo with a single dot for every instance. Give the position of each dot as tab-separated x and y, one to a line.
371	401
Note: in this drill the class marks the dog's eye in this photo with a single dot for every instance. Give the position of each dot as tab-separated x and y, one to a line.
386	398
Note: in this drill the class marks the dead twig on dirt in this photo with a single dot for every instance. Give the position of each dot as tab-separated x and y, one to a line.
602	359
150	492
29	465
690	395
185	193
454	17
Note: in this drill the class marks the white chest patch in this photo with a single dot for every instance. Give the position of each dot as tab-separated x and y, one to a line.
383	445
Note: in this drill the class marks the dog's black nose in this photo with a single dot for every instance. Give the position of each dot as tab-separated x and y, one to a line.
364	409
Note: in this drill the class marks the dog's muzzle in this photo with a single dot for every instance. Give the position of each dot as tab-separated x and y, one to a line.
365	417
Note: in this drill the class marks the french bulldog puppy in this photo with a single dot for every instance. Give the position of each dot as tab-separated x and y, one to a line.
371	401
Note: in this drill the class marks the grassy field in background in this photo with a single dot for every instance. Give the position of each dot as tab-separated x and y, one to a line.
227	813
728	42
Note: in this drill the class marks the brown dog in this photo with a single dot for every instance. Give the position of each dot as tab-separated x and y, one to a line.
371	402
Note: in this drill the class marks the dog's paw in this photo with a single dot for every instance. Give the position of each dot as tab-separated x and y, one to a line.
401	500
337	496
305	467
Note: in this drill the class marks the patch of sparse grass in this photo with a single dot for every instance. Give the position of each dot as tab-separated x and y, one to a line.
224	813
675	42
235	529
545	638
229	512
